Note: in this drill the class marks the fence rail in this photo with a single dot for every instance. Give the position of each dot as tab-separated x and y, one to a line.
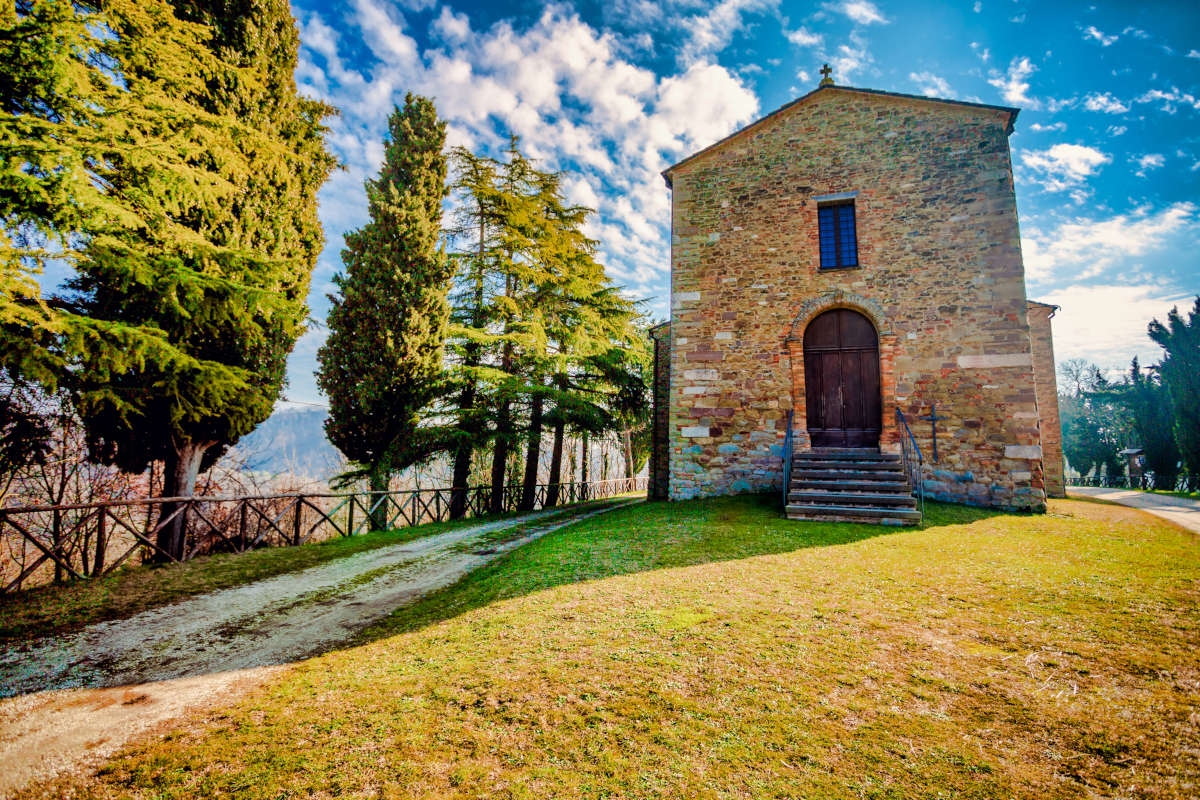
40	544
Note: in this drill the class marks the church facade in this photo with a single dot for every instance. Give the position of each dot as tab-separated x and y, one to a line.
852	262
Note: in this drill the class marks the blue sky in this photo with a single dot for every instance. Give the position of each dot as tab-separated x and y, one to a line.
1106	150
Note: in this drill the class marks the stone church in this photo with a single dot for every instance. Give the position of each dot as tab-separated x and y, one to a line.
852	262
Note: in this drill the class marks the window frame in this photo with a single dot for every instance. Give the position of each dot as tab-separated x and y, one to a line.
833	204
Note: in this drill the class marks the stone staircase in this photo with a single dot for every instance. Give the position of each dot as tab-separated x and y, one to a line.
851	485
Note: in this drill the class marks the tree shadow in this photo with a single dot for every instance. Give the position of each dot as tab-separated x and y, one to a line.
640	538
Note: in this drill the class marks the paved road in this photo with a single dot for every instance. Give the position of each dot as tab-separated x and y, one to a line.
73	700
1180	510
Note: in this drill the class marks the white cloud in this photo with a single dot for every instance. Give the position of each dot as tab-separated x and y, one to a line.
1054	126
862	12
931	85
851	59
452	27
802	37
1170	100
1106	324
1116	130
1193	54
1092	33
1148	162
1064	166
1084	248
710	33
1104	102
978	6
1014	84
984	54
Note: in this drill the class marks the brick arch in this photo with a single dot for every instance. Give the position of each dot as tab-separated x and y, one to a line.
811	309
889	440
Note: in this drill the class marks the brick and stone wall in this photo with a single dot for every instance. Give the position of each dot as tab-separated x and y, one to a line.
660	438
1047	396
941	278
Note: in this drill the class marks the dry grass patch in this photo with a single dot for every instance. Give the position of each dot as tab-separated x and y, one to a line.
712	650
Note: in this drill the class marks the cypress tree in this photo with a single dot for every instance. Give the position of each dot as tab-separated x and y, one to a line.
223	277
382	364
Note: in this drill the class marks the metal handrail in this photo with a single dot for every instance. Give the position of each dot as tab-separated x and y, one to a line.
788	443
914	461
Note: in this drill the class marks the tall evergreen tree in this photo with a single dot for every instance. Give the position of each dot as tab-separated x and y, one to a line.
225	278
382	364
1151	418
68	129
1180	371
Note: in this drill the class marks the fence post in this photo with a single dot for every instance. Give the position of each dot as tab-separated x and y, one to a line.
296	523
242	524
350	523
98	562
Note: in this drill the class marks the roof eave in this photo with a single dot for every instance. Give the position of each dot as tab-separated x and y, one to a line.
1011	111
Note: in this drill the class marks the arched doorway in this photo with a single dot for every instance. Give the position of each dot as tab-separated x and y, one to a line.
841	380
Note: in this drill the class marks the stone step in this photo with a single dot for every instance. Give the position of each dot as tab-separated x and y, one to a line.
857	463
837	485
851	499
844	455
846	475
833	513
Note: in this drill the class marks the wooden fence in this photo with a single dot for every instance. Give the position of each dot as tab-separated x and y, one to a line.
40	544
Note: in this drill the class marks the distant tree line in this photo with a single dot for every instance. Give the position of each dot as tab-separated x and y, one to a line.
475	339
1155	409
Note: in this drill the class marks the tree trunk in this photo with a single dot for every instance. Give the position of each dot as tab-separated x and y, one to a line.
500	457
179	480
533	454
583	468
556	454
627	451
379	514
462	455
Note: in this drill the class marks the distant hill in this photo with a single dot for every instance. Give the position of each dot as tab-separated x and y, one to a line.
292	440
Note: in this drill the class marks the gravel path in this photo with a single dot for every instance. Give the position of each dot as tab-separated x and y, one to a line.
73	700
1180	510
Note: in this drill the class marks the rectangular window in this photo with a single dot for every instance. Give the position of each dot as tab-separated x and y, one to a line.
839	238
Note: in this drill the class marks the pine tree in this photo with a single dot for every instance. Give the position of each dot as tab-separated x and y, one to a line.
1150	416
1180	372
224	275
66	124
382	364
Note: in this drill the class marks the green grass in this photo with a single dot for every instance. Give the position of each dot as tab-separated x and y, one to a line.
58	609
711	649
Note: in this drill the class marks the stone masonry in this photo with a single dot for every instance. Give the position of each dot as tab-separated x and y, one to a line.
940	277
1047	396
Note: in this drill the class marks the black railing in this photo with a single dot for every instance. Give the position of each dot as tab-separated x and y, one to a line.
1145	482
788	444
913	460
39	544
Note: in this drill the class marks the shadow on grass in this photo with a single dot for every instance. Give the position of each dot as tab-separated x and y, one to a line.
640	538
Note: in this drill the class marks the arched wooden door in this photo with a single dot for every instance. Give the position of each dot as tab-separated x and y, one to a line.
841	380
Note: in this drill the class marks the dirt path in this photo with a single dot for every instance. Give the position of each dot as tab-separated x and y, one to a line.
1180	510
75	699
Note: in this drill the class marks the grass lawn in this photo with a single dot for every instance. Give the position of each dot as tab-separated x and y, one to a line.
711	649
57	609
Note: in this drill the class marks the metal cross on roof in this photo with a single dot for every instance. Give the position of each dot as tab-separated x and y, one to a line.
828	73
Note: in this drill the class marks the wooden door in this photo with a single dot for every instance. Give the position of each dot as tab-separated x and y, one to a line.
841	380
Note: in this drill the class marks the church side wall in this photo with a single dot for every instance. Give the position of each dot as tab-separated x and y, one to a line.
1047	397
941	278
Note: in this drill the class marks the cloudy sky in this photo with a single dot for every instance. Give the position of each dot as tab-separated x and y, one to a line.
1106	150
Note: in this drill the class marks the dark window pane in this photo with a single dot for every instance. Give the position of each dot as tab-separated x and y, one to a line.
838	237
